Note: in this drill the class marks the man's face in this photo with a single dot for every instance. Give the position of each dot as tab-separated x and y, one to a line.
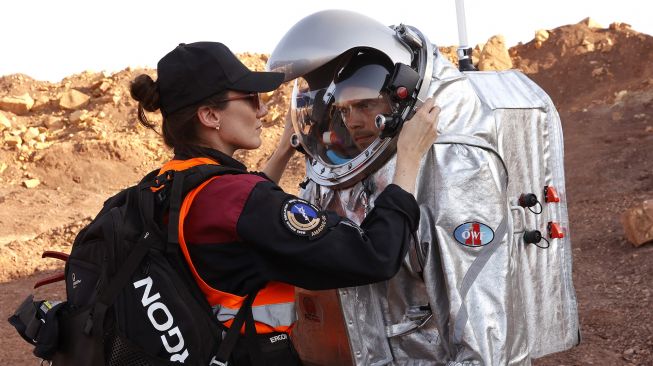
359	115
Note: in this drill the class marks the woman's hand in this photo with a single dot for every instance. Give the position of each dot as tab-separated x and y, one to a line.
277	164
288	131
416	137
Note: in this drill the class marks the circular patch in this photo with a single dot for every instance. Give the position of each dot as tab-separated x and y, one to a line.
474	234
302	218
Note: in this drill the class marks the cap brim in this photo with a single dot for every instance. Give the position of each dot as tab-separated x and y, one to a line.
259	81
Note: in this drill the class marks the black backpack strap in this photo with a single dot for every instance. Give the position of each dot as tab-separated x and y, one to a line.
255	354
229	342
176	193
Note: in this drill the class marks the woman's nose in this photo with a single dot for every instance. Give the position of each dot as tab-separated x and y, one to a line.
262	110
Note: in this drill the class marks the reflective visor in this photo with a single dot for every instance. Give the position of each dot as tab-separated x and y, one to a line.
336	123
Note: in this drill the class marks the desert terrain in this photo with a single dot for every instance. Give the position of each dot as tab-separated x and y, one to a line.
67	146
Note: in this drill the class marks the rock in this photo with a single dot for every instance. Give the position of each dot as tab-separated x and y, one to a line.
638	223
31	183
3	167
41	103
541	35
30	134
5	123
13	141
21	130
620	26
17	104
620	95
587	45
104	86
53	123
78	116
605	45
591	23
73	99
494	55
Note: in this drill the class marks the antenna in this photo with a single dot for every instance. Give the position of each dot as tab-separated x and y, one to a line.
464	51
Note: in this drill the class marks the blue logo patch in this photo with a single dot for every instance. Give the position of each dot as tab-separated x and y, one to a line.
473	234
302	218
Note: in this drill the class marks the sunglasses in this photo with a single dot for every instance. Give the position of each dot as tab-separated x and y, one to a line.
252	97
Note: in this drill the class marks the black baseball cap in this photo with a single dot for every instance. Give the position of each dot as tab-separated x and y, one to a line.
195	71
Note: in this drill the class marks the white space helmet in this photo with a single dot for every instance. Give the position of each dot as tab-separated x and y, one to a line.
357	81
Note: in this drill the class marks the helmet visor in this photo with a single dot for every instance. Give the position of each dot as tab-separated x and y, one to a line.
336	123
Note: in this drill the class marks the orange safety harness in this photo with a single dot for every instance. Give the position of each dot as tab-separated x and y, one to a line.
273	308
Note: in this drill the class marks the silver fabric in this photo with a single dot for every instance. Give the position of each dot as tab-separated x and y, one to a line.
274	315
503	303
323	36
343	154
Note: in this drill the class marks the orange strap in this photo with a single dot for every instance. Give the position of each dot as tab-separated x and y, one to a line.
272	293
178	165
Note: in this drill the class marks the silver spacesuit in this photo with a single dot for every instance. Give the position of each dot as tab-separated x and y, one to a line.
488	280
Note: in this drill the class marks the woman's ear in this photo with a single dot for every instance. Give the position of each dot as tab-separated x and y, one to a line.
209	117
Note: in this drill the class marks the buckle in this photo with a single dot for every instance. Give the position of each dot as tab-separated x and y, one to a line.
160	185
164	178
218	363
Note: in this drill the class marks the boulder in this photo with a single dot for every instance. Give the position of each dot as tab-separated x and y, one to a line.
638	223
494	55
591	23
17	104
73	99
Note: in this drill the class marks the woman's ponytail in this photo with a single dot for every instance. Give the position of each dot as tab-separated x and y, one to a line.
146	92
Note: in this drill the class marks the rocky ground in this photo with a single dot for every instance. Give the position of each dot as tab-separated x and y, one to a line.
65	147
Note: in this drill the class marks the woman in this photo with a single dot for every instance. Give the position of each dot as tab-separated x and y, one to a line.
243	236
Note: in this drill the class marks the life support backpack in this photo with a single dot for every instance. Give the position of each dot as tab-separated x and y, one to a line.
130	298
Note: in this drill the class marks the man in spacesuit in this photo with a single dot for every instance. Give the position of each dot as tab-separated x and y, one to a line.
469	286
